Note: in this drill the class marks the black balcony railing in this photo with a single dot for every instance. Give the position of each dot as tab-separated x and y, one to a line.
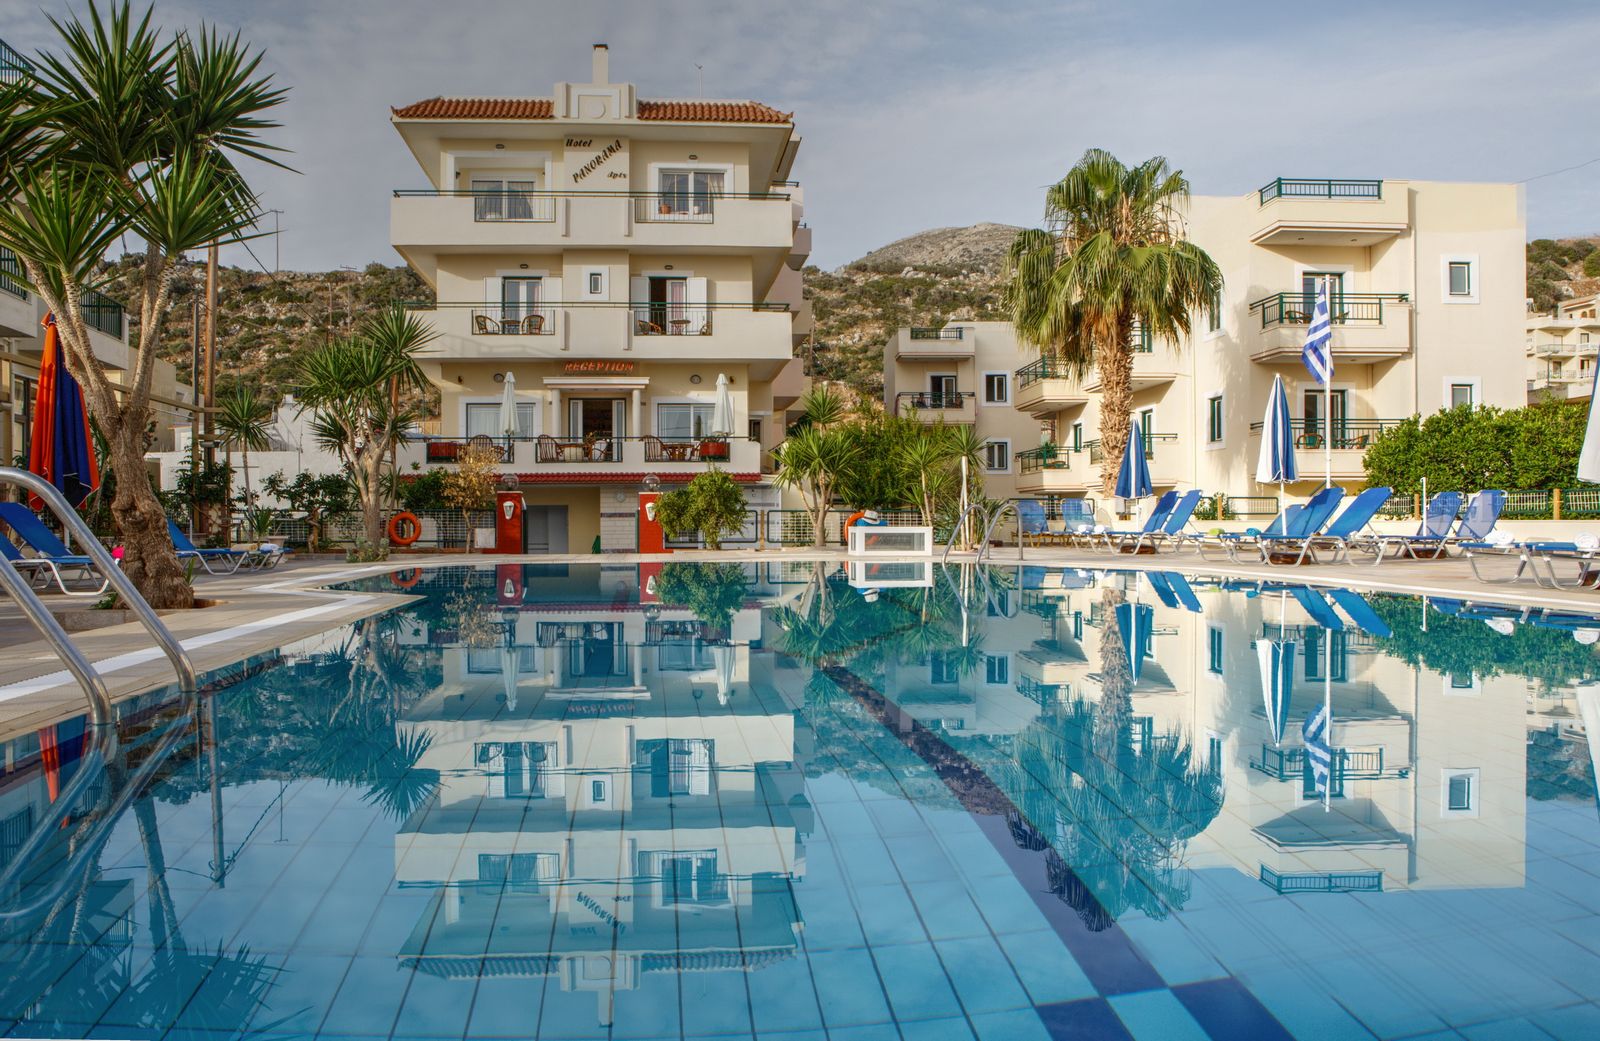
931	401
540	319
439	448
13	66
1346	433
1343	308
948	332
11	273
671	320
1305	188
540	206
1150	442
101	312
512	206
1322	881
1042	369
1045	457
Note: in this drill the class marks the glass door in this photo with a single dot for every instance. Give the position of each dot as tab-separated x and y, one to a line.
1338	406
1311	283
942	392
519	302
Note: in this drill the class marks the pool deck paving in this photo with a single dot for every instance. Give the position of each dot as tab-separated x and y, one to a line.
257	612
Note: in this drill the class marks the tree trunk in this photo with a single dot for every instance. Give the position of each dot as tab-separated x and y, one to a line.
1115	362
1115	710
149	559
367	465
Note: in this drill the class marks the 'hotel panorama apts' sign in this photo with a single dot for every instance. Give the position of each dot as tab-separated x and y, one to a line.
599	159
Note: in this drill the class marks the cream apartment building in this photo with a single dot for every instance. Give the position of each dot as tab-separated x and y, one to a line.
963	373
1428	291
22	348
614	256
1561	349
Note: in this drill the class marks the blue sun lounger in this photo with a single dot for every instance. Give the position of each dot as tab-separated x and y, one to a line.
1170	530
1295	522
1158	517
1173	590
1356	608
51	554
1316	605
1433	534
228	560
1341	533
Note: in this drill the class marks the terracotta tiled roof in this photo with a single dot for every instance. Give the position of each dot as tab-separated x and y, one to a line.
477	108
712	112
543	108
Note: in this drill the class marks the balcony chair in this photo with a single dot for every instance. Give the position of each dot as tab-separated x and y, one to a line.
483	442
645	327
483	325
533	325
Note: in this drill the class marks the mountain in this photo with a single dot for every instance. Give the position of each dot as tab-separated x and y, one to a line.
1562	268
924	279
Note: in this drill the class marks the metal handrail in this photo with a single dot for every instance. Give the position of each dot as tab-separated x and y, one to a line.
955	531
34	608
983	547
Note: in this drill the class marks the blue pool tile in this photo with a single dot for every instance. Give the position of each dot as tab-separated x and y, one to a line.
1305	1008
1573	1023
435	1007
1157	1015
783	997
1504	1030
714	1003
1088	1020
1225	1008
368	998
509	1008
916	982
947	911
872	1032
1019	1025
848	989
887	915
1046	968
982	975
1172	950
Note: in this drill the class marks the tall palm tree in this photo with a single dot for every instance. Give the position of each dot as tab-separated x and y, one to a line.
242	418
1113	255
345	385
128	132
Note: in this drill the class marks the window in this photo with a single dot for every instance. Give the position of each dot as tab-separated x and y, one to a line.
1214	313
1459	279
943	668
690	193
1214	419
997	670
997	457
683	421
996	388
483	419
597	283
753	429
1338	651
1214	650
1460	794
597	791
1077	437
516	769
1214	755
495	199
1463	394
677	766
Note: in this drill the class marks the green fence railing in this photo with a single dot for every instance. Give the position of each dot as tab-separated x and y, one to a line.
1150	442
1310	188
1045	457
1322	881
1343	309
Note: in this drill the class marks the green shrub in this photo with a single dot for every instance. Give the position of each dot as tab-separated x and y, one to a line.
1591	265
1470	448
712	591
1550	271
711	504
424	491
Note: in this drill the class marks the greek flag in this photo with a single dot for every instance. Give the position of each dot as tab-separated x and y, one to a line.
1318	351
1319	756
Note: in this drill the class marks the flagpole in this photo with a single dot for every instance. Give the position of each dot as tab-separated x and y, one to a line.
1327	713
1327	394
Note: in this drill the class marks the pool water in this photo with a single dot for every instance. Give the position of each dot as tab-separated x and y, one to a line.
792	801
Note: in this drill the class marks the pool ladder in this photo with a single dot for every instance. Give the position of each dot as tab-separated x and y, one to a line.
988	523
93	684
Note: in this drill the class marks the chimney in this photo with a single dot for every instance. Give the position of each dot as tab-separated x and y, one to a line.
602	64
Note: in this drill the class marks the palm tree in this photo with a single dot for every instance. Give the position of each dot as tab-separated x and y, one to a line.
345	385
125	133
242	418
1113	256
813	460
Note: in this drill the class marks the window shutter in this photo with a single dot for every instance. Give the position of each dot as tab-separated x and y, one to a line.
699	316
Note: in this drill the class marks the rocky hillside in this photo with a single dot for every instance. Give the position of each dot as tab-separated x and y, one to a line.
925	279
1561	268
266	320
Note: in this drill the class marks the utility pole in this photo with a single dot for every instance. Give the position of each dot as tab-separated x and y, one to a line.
211	355
194	415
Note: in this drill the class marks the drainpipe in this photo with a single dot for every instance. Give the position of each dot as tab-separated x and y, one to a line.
1416	324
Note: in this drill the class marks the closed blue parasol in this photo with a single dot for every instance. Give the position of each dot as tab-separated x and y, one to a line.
60	449
1276	464
1133	479
1136	624
1277	683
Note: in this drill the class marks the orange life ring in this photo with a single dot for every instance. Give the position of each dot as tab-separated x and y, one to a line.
406	579
414	529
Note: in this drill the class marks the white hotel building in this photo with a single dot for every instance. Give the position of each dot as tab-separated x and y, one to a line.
614	255
1428	305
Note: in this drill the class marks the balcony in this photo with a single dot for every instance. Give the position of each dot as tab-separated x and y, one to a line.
1367	327
1308	212
1351	439
1150	370
644	331
954	407
1563	350
935	344
1160	452
18	315
1045	387
424	224
1052	470
592	460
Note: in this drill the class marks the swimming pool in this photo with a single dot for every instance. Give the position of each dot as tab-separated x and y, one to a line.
792	801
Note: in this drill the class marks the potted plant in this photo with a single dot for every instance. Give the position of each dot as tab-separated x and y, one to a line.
714	447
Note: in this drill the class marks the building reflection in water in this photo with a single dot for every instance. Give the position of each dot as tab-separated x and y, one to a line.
614	799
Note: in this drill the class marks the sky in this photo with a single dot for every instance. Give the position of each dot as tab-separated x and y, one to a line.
917	114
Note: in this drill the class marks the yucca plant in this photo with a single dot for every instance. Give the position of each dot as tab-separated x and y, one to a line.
242	419
127	130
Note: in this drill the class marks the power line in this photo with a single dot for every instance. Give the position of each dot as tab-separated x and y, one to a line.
1564	169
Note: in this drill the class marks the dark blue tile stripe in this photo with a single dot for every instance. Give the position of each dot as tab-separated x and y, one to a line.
1226	1010
1089	1020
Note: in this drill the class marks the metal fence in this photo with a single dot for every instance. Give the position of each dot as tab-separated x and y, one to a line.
1307	188
1322	881
1236	507
441	529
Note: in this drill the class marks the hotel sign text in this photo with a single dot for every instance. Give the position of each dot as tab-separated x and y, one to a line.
598	161
594	367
